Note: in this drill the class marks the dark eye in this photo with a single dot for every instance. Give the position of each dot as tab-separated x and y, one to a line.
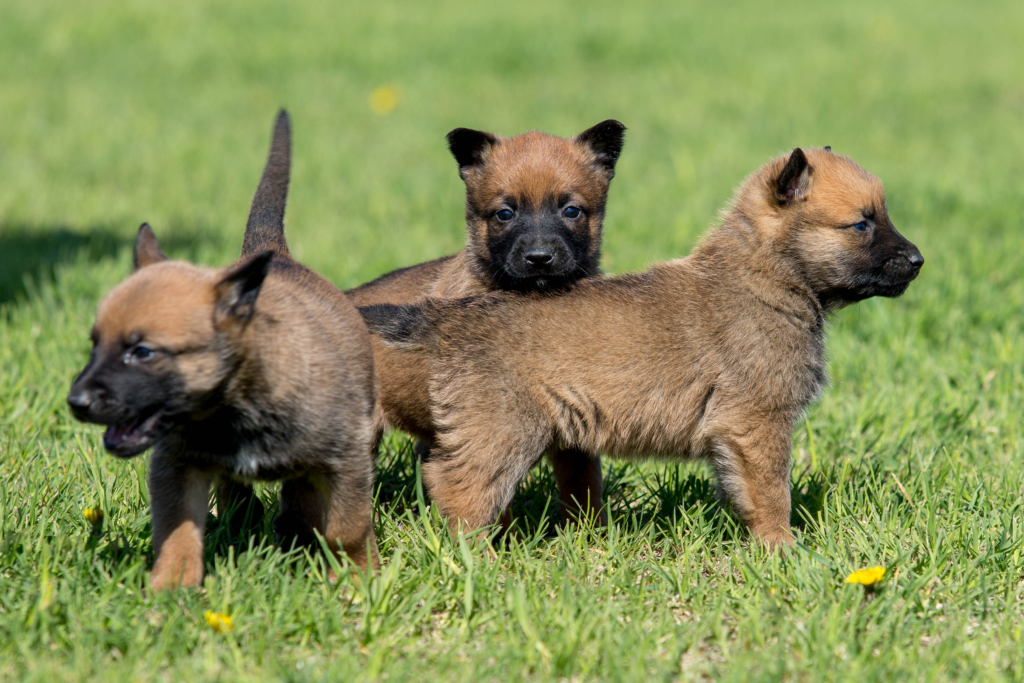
504	215
860	227
571	212
139	353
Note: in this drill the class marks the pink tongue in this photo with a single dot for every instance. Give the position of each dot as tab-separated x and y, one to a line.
116	435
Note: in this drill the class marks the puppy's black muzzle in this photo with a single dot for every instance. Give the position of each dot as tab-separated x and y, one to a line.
133	407
899	271
539	256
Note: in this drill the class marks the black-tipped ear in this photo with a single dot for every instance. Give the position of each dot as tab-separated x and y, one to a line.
794	181
147	249
469	146
605	141
237	292
828	148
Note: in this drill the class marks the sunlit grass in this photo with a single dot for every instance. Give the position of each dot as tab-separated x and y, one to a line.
913	460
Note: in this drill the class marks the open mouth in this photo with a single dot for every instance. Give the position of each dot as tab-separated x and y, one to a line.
132	437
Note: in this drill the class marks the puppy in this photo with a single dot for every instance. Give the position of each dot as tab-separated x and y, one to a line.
258	371
534	210
714	356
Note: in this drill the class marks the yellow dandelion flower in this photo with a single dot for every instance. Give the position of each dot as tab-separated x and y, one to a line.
384	99
221	623
866	577
93	515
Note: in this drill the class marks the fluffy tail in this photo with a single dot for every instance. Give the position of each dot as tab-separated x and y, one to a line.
265	229
406	327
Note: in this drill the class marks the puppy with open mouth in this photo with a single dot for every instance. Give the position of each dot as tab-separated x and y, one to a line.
259	371
714	356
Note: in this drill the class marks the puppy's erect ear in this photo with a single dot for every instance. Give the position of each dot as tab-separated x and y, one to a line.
605	141
237	292
469	146
147	249
795	180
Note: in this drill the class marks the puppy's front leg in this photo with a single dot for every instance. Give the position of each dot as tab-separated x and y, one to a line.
753	473
180	500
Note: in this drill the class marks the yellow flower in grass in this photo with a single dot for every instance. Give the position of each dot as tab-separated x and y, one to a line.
384	99
866	577
221	623
94	516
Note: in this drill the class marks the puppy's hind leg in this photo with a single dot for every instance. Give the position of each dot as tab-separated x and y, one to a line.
180	501
473	482
337	504
580	485
238	507
348	499
302	512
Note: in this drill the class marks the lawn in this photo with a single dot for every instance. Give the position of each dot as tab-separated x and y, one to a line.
112	113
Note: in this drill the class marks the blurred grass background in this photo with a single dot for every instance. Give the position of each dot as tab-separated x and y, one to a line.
112	113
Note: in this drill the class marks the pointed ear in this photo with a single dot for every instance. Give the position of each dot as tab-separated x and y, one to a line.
605	141
795	180
469	147
147	249
237	292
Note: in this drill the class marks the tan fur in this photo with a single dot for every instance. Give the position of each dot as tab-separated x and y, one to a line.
714	356
533	168
258	371
306	349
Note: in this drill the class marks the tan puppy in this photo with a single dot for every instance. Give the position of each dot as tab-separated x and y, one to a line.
258	371
714	356
534	210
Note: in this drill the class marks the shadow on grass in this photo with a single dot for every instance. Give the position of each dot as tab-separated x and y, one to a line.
637	495
634	494
33	252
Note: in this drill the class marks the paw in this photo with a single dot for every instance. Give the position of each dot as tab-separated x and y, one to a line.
776	539
166	576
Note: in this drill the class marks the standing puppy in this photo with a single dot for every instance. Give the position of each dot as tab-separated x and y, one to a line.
714	356
258	371
534	210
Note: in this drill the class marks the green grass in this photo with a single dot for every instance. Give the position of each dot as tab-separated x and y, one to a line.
112	113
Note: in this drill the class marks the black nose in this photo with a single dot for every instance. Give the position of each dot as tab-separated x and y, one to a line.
538	257
79	401
916	259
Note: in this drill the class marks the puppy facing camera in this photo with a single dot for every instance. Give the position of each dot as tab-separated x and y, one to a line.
535	206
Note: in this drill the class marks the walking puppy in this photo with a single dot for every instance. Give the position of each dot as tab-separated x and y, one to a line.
258	371
534	211
714	356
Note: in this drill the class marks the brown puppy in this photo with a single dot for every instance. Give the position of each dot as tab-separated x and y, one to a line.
714	356
534	210
258	371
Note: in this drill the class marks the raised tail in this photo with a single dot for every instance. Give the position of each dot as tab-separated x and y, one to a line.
265	229
403	326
